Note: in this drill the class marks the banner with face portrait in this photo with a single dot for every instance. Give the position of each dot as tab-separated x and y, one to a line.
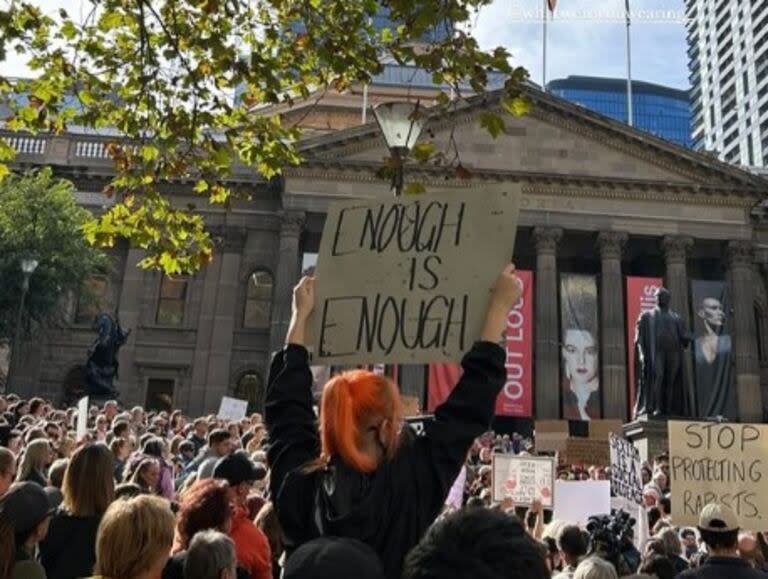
579	347
641	298
712	350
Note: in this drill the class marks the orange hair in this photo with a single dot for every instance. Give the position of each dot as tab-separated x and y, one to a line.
350	402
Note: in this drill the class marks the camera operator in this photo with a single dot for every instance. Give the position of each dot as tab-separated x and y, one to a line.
719	529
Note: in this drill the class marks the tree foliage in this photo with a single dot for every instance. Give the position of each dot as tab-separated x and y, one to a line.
40	219
162	73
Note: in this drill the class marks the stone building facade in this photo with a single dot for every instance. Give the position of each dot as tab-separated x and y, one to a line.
599	198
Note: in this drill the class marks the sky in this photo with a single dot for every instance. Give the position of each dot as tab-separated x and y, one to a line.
582	39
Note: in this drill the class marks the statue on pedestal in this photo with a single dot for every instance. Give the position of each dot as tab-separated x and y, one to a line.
102	366
659	343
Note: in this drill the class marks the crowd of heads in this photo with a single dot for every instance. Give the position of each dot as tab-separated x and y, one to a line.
156	494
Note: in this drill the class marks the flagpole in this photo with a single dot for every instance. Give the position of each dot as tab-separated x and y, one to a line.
544	51
630	115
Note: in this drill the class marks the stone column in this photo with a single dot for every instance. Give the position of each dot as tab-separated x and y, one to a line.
744	333
547	353
612	334
129	309
676	250
286	276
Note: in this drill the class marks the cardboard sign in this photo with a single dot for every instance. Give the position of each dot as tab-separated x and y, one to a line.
407	280
576	501
232	409
604	428
626	476
523	479
725	463
411	405
82	418
586	452
551	435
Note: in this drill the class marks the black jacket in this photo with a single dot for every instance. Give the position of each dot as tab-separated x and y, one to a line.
723	567
391	508
69	549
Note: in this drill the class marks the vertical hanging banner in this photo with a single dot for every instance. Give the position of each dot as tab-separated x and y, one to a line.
580	347
712	359
408	280
516	398
641	298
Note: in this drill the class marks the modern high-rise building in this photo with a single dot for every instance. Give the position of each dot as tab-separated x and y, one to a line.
728	62
656	109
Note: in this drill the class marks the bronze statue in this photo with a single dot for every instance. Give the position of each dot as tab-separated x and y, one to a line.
659	342
102	366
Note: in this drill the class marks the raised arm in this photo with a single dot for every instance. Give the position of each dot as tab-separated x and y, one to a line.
468	411
288	409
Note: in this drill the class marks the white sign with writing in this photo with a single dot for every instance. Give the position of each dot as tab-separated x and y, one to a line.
523	479
626	476
232	409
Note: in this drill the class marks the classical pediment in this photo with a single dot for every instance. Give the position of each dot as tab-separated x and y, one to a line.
557	140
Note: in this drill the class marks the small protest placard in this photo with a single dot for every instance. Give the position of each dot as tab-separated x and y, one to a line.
407	280
82	418
523	479
724	463
551	435
586	452
626	477
576	501
232	409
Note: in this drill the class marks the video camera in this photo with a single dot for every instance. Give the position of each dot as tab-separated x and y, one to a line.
607	535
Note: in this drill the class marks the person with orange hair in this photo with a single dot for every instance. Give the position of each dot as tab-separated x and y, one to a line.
362	475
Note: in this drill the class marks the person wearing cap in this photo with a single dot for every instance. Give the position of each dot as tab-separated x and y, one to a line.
719	529
24	517
251	544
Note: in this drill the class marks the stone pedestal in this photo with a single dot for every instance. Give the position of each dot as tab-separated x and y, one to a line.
649	436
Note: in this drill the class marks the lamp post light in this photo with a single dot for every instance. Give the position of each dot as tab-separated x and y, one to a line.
28	267
401	124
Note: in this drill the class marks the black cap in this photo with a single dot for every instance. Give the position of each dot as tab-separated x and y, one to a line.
25	505
235	469
332	557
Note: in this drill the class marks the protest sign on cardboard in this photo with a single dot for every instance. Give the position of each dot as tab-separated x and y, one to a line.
523	479
626	476
408	279
602	429
576	501
551	435
232	409
586	452
725	463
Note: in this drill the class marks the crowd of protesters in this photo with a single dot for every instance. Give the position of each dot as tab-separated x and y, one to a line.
304	493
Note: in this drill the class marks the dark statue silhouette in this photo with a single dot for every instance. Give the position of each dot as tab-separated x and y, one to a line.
659	343
102	366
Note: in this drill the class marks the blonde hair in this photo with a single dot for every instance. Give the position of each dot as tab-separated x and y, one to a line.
89	481
35	457
133	536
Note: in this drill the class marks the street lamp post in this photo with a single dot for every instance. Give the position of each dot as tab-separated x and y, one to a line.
401	124
28	267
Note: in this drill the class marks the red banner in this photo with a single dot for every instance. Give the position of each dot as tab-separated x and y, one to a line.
641	297
516	398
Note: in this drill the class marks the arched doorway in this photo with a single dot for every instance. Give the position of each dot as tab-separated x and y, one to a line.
250	387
